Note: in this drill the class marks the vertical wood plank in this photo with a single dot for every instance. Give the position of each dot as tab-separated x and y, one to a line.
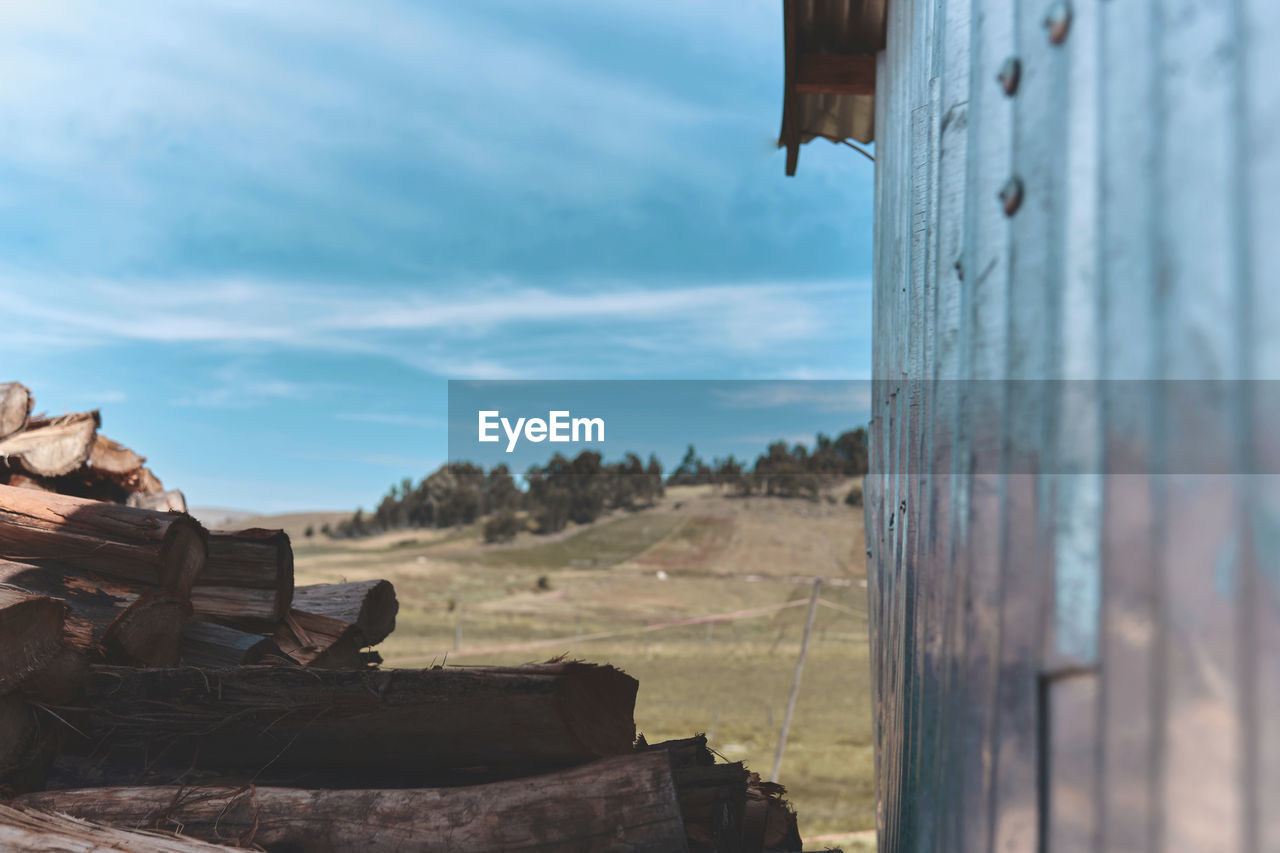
1071	729
1200	278
986	264
1259	197
948	448
1071	779
1039	106
1131	524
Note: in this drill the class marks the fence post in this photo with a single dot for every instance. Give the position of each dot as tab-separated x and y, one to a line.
795	682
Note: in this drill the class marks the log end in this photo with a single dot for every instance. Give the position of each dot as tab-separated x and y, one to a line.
183	554
284	573
149	631
51	447
30	634
62	680
377	617
26	750
598	704
15	407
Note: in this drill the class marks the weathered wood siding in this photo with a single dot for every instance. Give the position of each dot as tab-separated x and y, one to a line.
1075	585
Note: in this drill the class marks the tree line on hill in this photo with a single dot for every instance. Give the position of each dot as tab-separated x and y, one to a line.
585	487
781	471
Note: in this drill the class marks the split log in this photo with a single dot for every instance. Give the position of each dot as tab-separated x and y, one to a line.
52	447
158	500
319	641
25	828
159	549
247	582
106	619
623	803
370	606
769	822
684	752
712	803
25	750
15	407
62	680
112	473
30	634
242	609
112	459
726	808
211	646
389	724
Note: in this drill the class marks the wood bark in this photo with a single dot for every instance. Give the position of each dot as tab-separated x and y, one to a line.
247	582
25	481
211	646
396	725
15	407
25	828
30	634
370	606
622	803
319	641
684	752
106	619
166	550
51	447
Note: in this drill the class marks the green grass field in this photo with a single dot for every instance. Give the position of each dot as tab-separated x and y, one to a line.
468	602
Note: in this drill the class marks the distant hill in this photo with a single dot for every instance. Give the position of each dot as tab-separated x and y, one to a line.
219	516
293	523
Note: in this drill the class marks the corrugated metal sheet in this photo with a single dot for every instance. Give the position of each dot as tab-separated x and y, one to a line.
1075	585
831	27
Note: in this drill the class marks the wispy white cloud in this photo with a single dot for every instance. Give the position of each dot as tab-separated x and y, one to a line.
239	384
488	332
96	77
401	463
390	419
822	395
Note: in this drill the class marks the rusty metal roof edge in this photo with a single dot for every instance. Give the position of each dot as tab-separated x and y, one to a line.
836	117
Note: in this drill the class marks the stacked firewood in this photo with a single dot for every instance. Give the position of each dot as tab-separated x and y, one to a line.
164	687
67	454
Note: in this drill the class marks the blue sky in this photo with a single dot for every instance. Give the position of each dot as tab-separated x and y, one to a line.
261	236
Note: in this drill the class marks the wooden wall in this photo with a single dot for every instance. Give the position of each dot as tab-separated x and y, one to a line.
1075	584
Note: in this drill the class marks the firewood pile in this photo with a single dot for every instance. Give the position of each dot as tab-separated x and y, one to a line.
67	454
164	687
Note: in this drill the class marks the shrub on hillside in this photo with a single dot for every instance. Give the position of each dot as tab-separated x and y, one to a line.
502	526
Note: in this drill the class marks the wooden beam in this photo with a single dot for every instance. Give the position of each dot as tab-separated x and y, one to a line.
382	723
830	74
627	802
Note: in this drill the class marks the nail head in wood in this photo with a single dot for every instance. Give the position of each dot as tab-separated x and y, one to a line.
1010	74
1058	21
1011	196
